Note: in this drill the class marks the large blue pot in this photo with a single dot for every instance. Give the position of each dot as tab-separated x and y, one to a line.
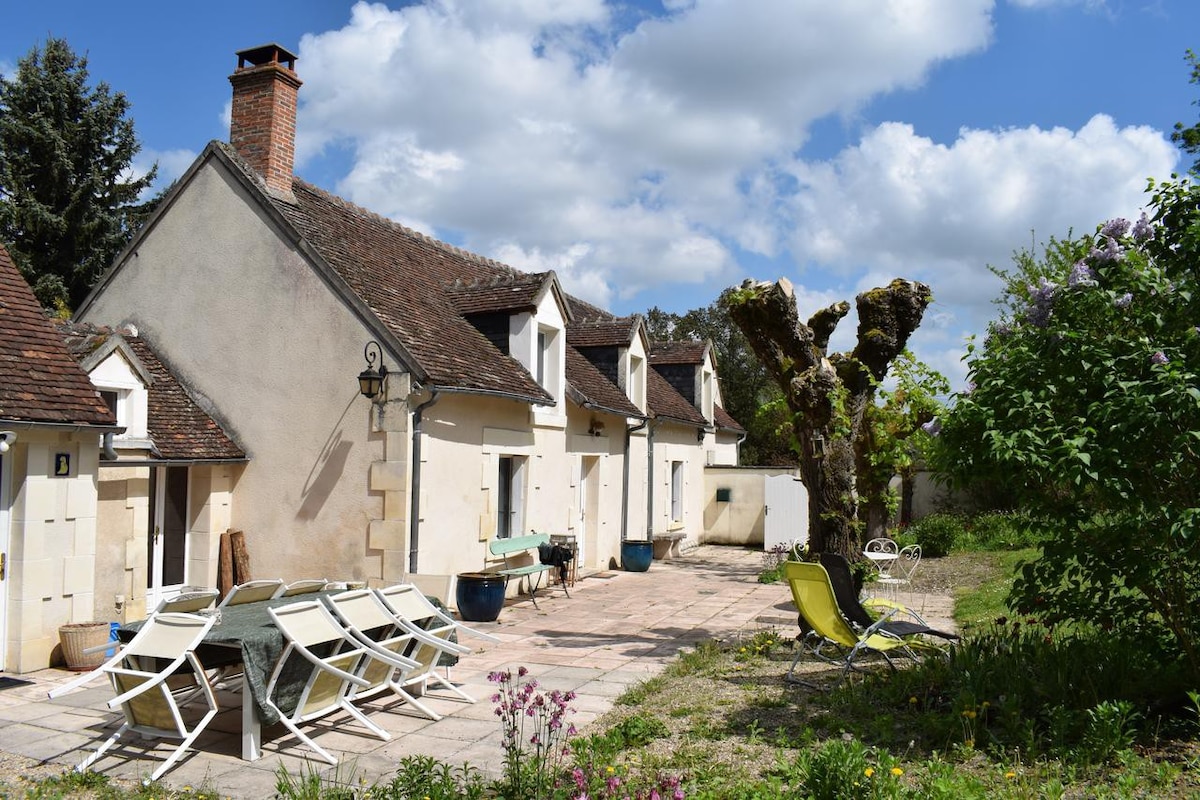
480	595
636	555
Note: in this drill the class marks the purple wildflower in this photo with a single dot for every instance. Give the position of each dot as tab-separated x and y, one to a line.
1123	301
1159	357
1115	228
933	427
1142	229
1081	276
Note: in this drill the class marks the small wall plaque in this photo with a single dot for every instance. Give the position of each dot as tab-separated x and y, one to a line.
62	465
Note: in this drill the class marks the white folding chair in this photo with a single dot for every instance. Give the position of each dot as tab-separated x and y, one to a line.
304	586
188	602
252	592
139	673
433	629
310	629
372	625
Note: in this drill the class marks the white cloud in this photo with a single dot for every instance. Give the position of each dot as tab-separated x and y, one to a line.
545	124
555	134
942	213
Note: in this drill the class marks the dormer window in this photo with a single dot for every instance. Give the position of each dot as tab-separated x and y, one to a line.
636	387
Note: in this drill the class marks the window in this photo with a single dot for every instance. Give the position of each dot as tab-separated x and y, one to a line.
676	491
110	400
540	371
509	496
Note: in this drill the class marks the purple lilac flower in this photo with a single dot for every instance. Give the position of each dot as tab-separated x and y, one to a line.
1115	228
1123	301
933	427
1081	276
1041	302
1159	357
1112	252
1142	229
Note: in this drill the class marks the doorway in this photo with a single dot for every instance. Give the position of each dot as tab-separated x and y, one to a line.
589	510
167	542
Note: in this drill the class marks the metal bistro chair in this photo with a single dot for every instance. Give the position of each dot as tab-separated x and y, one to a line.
139	674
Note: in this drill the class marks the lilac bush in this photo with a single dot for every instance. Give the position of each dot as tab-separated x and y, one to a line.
1087	411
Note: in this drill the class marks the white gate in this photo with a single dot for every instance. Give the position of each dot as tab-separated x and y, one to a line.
786	511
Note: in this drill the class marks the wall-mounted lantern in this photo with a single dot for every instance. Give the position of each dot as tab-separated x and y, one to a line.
7	440
372	380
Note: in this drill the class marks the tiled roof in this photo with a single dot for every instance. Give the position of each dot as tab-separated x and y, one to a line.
178	427
667	403
400	275
689	352
505	292
595	389
616	332
39	380
723	420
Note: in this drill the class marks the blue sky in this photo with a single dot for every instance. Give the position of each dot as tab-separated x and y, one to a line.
655	153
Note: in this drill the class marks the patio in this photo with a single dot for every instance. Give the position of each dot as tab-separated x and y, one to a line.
616	629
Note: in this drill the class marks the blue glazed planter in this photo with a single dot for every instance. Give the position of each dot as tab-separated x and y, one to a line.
636	556
480	596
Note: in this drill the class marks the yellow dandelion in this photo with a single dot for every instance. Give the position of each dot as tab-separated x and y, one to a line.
869	771
969	743
897	772
610	770
912	701
985	704
969	714
1010	774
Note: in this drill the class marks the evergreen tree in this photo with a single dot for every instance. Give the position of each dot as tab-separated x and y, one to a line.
67	201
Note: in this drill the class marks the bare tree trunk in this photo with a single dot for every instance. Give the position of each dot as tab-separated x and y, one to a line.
829	395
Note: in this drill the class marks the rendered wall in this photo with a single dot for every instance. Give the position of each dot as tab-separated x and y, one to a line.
250	326
740	520
465	436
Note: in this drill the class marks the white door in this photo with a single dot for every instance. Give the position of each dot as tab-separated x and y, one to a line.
5	566
167	546
589	509
785	516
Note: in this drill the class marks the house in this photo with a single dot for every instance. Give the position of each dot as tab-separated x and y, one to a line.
52	422
491	401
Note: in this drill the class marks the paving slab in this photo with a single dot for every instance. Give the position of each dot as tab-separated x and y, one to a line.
616	629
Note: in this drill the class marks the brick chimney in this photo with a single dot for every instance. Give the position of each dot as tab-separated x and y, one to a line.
263	124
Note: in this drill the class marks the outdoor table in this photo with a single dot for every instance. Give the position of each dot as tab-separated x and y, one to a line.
248	627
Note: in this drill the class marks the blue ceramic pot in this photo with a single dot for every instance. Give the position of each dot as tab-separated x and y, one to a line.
480	595
636	555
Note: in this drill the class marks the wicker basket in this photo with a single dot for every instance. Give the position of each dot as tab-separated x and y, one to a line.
79	636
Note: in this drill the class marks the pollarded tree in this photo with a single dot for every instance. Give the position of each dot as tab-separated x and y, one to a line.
1086	405
67	202
828	395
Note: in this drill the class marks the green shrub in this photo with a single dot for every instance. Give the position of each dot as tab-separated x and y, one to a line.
938	534
999	531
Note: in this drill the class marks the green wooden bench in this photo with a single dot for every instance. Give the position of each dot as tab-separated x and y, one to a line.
513	548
